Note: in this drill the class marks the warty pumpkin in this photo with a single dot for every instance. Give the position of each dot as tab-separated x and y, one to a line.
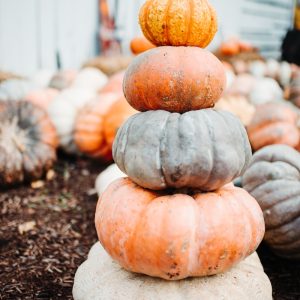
193	234
100	278
202	149
176	79
42	97
63	111
273	123
63	79
140	44
27	142
273	178
178	23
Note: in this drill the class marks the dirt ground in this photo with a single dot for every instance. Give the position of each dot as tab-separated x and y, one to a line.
47	229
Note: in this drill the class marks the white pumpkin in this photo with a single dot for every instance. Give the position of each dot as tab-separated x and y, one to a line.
265	90
42	78
285	73
230	78
15	89
106	177
258	68
63	111
91	79
100	278
273	67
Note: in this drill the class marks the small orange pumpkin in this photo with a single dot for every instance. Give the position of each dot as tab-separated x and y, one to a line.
273	123
175	236
97	125
140	44
178	23
176	79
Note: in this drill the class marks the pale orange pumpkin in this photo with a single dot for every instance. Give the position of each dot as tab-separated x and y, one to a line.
97	125
178	23
114	84
273	123
175	236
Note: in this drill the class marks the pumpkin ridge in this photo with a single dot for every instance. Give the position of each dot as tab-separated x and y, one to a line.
189	20
148	32
167	20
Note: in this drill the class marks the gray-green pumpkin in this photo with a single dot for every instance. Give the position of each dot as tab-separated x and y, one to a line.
202	149
273	179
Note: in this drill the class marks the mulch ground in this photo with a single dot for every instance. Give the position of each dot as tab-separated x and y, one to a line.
47	229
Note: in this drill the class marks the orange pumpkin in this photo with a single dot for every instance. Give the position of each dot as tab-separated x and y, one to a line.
140	44
230	48
91	135
118	113
42	98
114	84
178	23
176	79
273	123
175	236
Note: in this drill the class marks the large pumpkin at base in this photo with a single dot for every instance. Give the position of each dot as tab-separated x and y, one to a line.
176	79
273	178
27	142
178	23
202	149
273	123
175	236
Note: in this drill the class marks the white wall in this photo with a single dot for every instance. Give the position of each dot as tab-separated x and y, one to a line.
33	33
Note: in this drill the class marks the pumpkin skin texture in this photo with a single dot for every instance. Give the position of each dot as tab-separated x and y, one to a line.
176	79
139	45
160	150
193	235
89	128
178	23
273	178
246	281
27	142
273	123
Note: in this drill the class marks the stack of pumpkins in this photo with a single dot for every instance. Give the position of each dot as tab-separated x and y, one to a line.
177	215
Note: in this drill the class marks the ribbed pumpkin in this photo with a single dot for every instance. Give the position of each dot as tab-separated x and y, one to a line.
63	111
97	125
202	149
178	23
63	79
238	106
140	44
27	142
273	178
176	79
89	128
42	97
175	236
273	123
